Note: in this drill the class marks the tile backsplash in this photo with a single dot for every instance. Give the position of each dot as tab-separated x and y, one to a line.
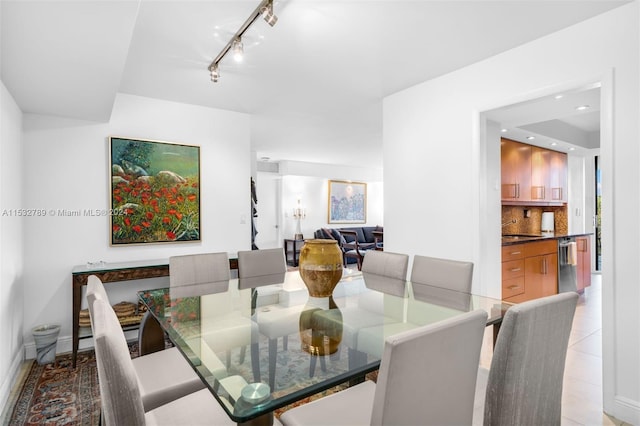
531	224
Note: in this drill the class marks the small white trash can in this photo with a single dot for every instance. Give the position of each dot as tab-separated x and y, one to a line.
46	337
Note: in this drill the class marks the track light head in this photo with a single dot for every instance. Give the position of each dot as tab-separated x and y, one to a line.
215	74
238	50
268	15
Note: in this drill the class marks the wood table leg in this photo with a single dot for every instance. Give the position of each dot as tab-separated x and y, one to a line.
150	335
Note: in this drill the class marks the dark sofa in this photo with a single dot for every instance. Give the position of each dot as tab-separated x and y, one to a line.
367	237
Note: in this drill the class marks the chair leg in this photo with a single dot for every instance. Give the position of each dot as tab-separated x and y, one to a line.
255	361
243	353
273	354
312	364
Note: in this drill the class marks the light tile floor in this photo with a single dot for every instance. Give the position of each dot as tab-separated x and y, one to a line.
582	392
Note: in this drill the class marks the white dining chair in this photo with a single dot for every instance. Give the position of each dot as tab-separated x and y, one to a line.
523	386
162	376
200	268
427	376
120	393
437	272
258	268
385	272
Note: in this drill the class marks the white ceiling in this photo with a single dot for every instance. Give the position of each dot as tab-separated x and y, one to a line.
313	83
555	121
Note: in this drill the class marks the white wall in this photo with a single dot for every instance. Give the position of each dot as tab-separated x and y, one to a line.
433	145
66	167
11	254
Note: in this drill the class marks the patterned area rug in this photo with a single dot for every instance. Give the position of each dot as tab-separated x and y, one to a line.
56	394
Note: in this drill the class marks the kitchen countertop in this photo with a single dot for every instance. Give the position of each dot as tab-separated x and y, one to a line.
508	240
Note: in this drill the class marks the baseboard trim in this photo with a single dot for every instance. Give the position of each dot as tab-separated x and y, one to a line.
627	410
10	380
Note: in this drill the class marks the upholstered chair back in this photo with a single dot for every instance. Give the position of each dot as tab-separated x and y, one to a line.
526	376
202	268
119	392
445	273
261	267
428	374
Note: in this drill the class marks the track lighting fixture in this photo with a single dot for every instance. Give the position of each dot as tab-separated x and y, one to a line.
264	9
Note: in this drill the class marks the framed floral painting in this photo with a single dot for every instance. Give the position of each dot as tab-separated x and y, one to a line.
155	191
347	202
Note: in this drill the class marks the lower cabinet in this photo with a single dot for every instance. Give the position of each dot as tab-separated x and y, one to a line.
583	268
529	270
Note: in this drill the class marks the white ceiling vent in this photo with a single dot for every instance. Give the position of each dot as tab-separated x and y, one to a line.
269	167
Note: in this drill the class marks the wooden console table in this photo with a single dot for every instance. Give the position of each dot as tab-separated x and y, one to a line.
114	272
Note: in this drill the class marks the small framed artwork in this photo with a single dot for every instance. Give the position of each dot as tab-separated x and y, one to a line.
155	191
347	202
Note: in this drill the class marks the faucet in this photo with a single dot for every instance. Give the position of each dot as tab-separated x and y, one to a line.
510	222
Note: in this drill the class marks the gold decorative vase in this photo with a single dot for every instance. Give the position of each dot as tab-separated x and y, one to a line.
320	266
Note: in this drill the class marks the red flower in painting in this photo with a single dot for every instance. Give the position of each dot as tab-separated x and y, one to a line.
149	215
172	211
166	220
171	235
115	228
172	202
117	198
191	197
178	215
137	228
145	224
127	221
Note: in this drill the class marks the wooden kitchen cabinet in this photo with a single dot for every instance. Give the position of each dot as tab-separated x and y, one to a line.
529	270
558	171
548	175
532	174
515	170
583	267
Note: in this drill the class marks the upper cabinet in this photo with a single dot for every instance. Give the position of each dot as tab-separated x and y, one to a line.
532	175
516	170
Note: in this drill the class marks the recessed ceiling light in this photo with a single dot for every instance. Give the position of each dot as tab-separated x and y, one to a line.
504	130
531	137
554	143
558	97
572	149
582	107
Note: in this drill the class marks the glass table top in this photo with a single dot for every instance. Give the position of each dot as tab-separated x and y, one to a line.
234	336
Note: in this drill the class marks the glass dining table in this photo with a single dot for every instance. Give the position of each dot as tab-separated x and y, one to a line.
257	345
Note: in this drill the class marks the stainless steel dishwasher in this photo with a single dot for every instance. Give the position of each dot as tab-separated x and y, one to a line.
567	262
